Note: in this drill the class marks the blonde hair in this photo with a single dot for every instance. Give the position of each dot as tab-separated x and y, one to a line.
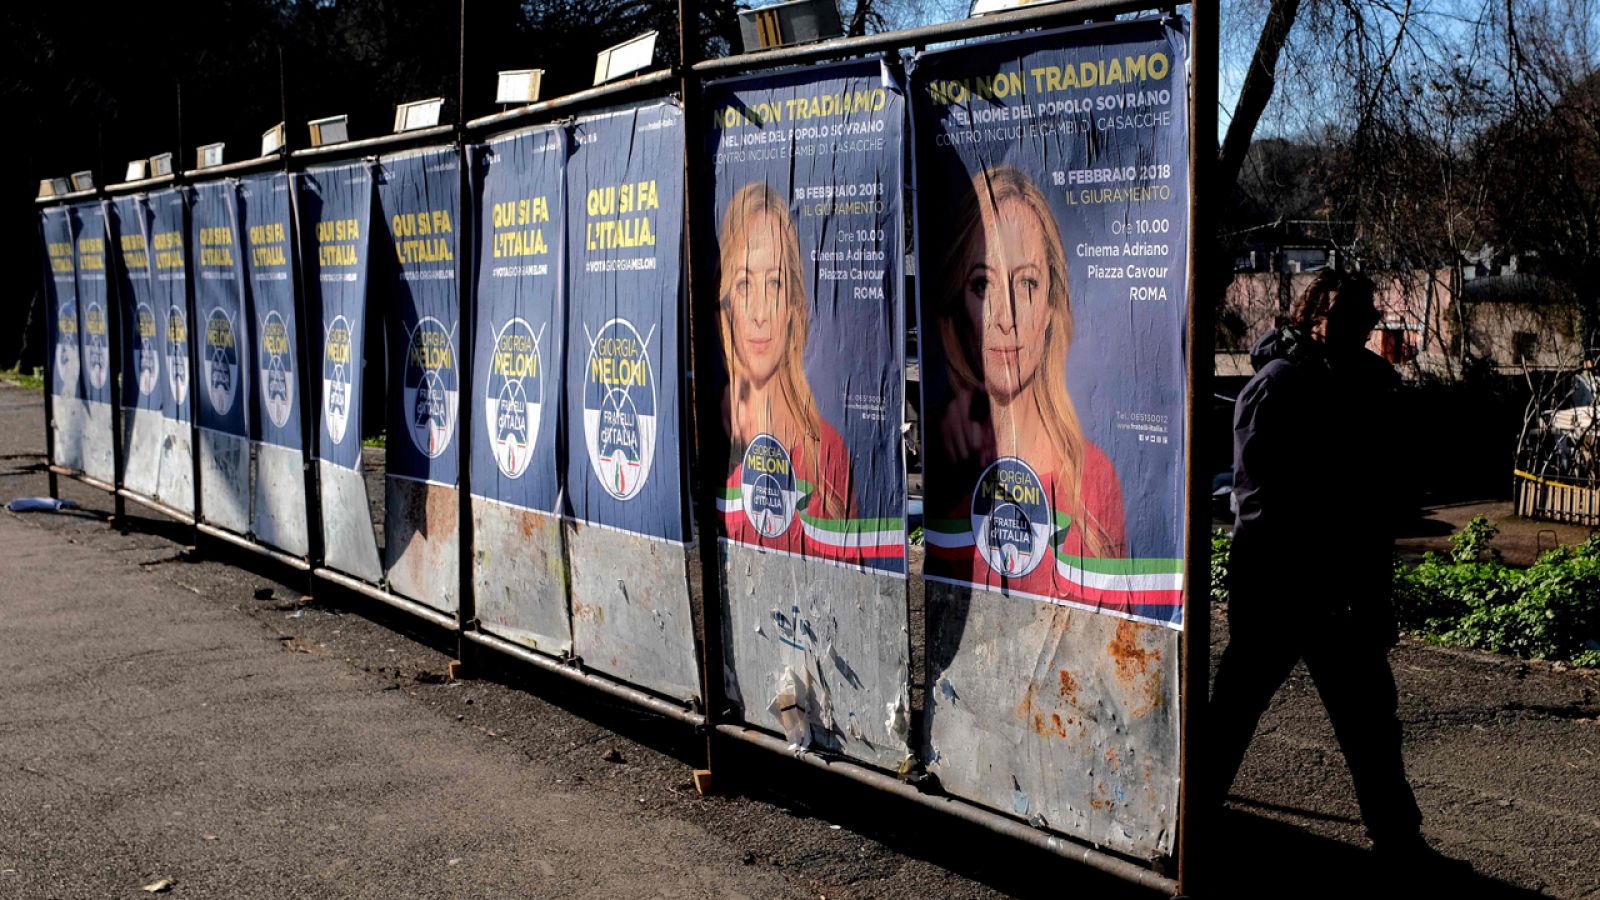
1059	418
752	201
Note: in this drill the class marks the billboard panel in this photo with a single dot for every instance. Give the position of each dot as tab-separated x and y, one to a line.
61	333
142	320
94	337
169	260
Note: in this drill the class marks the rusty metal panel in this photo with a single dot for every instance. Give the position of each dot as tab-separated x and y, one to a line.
71	418
99	459
519	576
834	636
143	431
630	609
421	541
225	480
349	543
279	514
175	480
1065	717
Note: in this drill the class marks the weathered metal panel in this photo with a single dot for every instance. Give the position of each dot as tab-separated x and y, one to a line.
99	460
421	536
630	609
835	636
143	430
1066	717
279	514
71	416
519	576
349	543
176	480
225	480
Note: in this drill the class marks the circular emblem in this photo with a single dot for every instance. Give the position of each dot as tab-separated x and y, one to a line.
177	355
430	386
338	377
277	370
148	357
766	486
67	347
220	363
514	396
1011	520
619	409
96	353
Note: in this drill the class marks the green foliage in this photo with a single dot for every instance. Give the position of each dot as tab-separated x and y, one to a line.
15	375
377	440
1471	598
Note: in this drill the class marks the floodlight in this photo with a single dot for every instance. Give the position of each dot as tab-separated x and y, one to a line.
208	155
985	7
52	187
138	170
273	139
331	130
628	56
160	165
794	22
83	181
518	86
417	114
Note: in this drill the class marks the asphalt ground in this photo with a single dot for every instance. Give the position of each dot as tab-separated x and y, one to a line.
187	716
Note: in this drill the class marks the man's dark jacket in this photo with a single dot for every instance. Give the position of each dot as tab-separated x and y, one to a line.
1316	487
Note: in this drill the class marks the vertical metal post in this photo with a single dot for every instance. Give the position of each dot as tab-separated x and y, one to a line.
466	239
49	369
1194	760
710	440
119	508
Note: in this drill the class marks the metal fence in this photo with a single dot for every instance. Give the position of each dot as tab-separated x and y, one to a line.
609	533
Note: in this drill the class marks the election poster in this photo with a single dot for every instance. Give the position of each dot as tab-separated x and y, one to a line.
517	386
61	333
143	391
1052	238
624	413
169	279
91	262
278	515
223	339
334	207
803	241
419	200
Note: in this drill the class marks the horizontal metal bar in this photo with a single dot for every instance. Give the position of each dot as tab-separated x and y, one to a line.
293	562
79	475
358	148
600	683
967	812
158	506
589	97
143	184
259	164
67	197
374	592
1030	17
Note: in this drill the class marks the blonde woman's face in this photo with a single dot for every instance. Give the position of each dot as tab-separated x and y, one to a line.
759	299
1006	291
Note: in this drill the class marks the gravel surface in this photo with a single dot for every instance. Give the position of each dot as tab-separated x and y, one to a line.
324	750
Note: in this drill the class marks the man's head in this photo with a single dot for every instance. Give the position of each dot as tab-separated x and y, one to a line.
1336	309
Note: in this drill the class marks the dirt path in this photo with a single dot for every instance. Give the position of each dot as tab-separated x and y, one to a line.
155	699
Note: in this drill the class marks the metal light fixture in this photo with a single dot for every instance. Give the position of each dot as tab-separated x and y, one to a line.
794	22
138	170
330	130
518	86
52	187
83	181
417	114
629	56
208	155
160	165
273	139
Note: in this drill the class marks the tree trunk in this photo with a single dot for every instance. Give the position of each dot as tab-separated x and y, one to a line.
1258	84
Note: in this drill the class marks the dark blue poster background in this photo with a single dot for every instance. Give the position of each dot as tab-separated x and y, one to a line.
265	222
169	265
419	197
143	316
219	308
94	304
335	206
61	325
805	242
1052	183
624	190
516	362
